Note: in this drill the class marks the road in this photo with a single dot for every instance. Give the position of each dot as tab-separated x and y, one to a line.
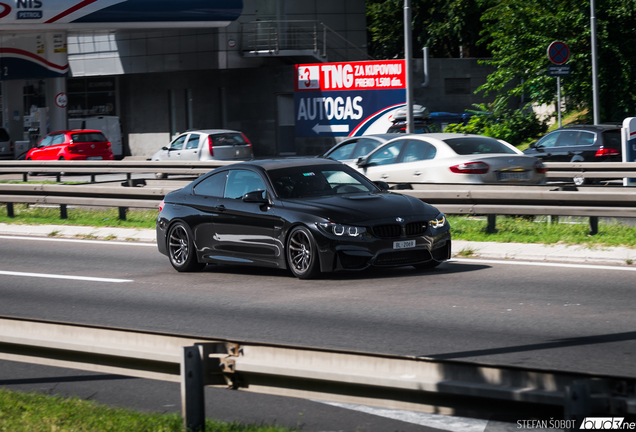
548	317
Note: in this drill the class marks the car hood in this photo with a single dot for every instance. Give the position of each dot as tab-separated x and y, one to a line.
363	208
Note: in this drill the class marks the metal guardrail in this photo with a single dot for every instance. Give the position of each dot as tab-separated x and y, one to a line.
297	38
387	381
451	199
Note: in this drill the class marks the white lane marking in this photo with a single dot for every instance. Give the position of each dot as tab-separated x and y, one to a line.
541	264
438	421
54	276
127	243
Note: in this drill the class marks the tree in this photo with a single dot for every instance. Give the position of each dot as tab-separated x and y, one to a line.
519	33
446	27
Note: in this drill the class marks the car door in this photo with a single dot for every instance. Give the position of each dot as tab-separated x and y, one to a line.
176	147
566	146
205	201
52	147
545	147
417	163
247	232
383	164
190	151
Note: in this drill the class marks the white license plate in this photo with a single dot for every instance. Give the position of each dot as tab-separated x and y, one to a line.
404	244
514	175
94	158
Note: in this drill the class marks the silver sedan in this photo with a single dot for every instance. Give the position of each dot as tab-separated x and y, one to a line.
450	158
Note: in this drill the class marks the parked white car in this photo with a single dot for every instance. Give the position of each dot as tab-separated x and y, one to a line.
450	158
205	145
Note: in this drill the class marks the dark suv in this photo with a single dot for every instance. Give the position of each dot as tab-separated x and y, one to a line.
579	143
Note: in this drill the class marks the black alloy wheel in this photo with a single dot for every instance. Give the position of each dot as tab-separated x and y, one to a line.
181	249
302	253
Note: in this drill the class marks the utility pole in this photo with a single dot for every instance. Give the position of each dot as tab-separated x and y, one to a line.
595	100
408	61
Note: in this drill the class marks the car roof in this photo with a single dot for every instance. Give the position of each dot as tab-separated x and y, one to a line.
211	131
602	127
272	164
443	136
75	131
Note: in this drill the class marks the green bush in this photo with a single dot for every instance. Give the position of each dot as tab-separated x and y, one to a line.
497	121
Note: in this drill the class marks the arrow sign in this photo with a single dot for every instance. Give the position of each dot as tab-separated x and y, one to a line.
318	129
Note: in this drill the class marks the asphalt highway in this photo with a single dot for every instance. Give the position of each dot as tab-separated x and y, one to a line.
556	317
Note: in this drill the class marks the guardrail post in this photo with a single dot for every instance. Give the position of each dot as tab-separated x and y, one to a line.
10	212
25	177
192	394
576	405
492	224
122	213
593	225
63	213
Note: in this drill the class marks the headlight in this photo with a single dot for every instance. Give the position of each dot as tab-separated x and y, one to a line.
342	230
438	222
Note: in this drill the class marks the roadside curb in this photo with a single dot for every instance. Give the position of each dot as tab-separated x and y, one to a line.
80	232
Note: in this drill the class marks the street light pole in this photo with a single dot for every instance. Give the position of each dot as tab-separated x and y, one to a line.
595	99
408	60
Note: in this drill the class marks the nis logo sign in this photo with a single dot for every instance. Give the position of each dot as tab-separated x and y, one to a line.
26	9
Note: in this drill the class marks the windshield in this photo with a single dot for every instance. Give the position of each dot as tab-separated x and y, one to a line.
312	181
477	145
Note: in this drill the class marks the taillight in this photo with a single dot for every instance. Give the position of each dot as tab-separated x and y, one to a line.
249	143
539	168
211	145
470	168
71	149
162	204
602	152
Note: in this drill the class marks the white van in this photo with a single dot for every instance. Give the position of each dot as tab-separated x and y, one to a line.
109	125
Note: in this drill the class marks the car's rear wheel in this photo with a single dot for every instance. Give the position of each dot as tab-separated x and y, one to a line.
181	249
302	253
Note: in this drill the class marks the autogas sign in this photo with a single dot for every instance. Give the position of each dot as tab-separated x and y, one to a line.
69	14
332	99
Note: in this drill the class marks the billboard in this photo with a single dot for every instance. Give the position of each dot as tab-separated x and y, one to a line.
33	55
113	14
339	99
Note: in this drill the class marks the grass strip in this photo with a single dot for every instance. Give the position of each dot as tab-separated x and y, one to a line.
34	412
568	230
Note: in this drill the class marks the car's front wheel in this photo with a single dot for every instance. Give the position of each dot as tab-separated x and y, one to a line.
181	249
302	253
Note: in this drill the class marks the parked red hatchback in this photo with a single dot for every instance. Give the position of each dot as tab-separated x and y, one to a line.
72	145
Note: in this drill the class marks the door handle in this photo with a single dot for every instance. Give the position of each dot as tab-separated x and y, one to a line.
384	176
417	173
221	208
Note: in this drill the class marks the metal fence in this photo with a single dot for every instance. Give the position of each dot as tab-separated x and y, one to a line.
387	381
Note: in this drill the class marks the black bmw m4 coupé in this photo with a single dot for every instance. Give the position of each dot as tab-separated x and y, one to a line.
308	215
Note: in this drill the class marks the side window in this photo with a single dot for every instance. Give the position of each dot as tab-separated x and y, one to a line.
46	141
178	143
343	152
212	186
418	151
387	154
365	146
58	139
568	138
240	182
193	141
549	141
586	138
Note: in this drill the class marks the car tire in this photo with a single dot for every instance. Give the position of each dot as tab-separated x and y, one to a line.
427	265
302	253
181	250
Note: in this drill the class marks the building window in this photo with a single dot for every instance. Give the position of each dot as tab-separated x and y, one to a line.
91	96
457	86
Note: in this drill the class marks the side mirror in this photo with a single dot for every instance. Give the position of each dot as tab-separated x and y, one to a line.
258	197
384	186
165	148
362	161
533	145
